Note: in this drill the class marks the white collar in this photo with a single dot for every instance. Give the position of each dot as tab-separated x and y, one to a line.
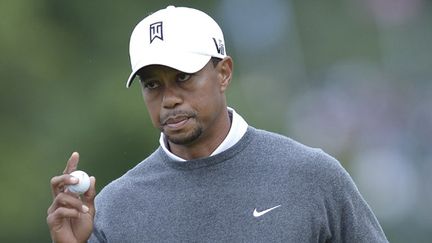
236	132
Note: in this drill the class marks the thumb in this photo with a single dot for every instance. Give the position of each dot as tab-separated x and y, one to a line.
89	196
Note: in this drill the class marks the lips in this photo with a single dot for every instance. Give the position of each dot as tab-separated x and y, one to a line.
176	122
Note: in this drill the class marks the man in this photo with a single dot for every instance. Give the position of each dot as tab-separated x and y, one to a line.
213	178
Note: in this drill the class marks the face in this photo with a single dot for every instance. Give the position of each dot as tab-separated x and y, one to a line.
187	108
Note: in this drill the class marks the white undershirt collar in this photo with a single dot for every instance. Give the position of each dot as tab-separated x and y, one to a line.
236	132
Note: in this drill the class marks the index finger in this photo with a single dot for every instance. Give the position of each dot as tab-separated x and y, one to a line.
72	163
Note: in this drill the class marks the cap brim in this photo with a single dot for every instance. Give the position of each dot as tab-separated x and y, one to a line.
184	62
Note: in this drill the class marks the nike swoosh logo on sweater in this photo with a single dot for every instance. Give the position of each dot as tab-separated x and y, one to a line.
257	213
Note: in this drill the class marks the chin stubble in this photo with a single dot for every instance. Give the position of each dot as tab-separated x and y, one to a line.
184	139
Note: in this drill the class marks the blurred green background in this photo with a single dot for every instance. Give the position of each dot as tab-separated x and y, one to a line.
351	77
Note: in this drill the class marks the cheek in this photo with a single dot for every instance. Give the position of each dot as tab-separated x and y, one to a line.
208	101
208	90
153	110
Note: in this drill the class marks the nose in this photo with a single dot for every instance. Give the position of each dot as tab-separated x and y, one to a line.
171	98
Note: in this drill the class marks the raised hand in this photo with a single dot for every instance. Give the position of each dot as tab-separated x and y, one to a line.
70	216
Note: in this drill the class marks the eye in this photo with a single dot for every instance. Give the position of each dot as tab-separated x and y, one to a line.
182	77
150	84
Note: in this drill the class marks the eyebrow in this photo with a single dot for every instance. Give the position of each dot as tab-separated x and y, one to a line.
143	76
147	72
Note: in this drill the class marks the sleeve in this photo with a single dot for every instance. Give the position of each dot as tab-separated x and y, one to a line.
98	236
351	218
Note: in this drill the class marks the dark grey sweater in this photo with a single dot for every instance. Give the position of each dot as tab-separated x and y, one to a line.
214	199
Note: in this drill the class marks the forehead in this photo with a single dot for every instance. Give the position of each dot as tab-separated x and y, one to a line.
153	70
156	70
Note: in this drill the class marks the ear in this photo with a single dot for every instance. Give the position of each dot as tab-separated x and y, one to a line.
225	69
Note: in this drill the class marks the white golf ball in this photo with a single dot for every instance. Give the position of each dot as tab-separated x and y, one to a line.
83	182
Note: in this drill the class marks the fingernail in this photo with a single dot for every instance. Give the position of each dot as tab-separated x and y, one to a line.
85	209
74	180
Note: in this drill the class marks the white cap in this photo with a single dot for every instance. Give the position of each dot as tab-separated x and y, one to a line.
178	37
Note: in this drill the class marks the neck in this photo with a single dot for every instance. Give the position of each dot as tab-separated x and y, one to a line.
206	144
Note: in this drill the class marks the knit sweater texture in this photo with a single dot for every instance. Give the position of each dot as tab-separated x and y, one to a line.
266	188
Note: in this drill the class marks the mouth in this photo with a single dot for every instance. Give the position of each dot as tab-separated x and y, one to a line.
176	122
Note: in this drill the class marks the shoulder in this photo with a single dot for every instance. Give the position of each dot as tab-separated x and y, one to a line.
296	158
274	142
271	143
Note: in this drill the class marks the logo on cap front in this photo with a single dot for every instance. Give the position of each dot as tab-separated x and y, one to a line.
156	31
